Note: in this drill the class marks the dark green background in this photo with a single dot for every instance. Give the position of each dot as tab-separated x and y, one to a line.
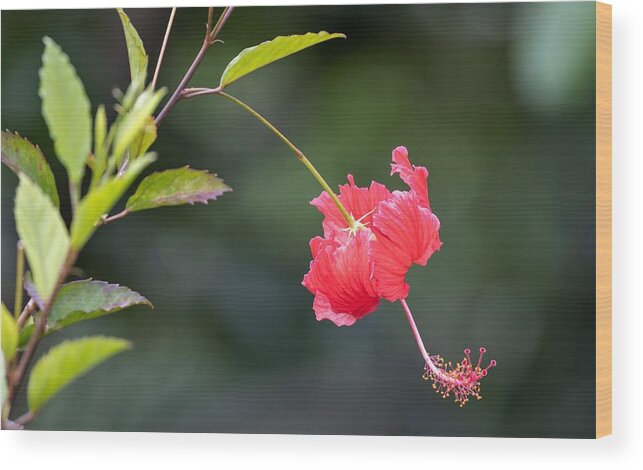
496	100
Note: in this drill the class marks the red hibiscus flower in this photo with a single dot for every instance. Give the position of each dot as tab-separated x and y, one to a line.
353	267
365	253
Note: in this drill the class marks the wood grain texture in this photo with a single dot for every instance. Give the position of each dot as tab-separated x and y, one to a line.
603	219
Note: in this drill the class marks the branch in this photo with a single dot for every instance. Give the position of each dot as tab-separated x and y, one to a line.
210	38
29	310
41	323
120	215
162	53
24	419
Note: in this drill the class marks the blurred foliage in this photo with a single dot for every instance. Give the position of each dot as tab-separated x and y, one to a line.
233	345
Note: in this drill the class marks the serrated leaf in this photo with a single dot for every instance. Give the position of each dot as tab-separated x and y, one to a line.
135	50
84	300
66	362
175	187
87	299
24	157
134	121
43	233
9	334
144	140
100	200
255	57
66	110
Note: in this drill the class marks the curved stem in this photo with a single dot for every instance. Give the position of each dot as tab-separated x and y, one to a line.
298	153
120	215
28	311
420	343
416	332
162	53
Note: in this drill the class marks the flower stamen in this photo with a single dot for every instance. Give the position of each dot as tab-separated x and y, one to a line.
463	380
357	223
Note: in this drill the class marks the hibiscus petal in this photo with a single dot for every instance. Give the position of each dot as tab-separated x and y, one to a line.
323	311
359	202
415	176
340	277
405	232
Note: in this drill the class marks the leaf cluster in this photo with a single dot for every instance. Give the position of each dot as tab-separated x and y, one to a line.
102	161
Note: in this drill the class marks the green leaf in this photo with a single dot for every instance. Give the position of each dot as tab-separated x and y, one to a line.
66	362
66	110
25	333
254	58
43	233
87	299
99	162
100	200
144	140
9	334
175	187
24	157
134	121
135	49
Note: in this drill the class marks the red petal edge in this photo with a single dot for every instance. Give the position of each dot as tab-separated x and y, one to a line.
405	233
340	277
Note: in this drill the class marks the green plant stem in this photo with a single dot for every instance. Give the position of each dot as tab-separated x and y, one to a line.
298	153
20	274
74	196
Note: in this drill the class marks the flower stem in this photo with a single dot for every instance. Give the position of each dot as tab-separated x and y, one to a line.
420	343
298	153
414	329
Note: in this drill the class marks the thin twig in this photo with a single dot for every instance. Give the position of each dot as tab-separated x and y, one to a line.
209	39
20	274
29	310
24	419
162	53
120	215
208	25
194	92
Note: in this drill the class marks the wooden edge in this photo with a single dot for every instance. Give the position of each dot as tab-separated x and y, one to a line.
603	219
